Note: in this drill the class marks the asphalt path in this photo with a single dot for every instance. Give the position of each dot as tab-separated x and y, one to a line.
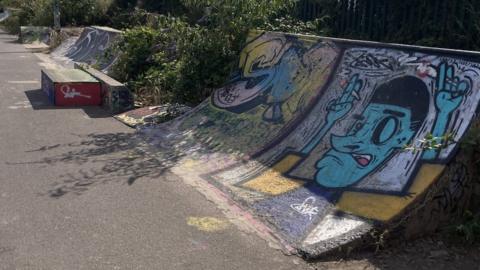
75	192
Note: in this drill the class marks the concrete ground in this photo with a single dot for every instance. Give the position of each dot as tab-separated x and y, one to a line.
76	194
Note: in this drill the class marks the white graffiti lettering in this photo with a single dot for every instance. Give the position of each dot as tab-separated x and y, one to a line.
306	208
71	92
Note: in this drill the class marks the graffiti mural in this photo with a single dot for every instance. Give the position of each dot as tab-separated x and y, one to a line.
91	46
394	115
272	70
311	132
277	79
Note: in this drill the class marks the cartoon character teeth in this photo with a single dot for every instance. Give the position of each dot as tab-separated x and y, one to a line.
363	160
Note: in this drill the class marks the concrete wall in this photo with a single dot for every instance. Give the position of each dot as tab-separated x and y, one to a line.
116	97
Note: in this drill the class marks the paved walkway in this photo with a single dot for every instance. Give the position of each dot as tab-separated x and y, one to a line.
76	194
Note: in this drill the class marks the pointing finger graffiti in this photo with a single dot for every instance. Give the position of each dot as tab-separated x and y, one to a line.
450	92
386	124
338	108
450	89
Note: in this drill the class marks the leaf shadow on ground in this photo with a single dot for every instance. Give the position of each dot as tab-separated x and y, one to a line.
101	159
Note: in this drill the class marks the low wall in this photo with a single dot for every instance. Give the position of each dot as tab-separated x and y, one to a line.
117	98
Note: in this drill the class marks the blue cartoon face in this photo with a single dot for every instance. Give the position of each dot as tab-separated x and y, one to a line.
374	137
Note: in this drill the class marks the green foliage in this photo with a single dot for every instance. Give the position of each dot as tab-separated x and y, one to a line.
181	59
469	228
291	24
471	142
431	142
82	12
136	47
12	25
40	12
127	18
148	60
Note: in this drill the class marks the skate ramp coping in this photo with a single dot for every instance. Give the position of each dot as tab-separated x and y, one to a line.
309	135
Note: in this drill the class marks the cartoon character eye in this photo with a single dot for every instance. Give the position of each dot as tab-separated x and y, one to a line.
385	130
358	126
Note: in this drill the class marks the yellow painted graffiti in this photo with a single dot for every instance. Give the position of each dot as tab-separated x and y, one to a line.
272	182
386	207
207	224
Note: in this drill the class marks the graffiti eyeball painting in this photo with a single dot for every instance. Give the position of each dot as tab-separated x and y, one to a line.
390	121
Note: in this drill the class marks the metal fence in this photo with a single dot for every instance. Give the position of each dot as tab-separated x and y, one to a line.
453	23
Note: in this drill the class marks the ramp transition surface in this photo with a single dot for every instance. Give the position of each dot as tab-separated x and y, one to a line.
90	48
309	133
4	15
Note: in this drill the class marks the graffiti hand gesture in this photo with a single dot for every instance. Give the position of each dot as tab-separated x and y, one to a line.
339	107
450	90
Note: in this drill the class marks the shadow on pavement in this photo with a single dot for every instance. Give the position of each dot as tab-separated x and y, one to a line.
39	101
101	159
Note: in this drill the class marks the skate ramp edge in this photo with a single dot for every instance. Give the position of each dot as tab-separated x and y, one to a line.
90	48
309	136
4	15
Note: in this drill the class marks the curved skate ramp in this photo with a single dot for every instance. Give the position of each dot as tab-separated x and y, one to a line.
89	48
4	15
309	133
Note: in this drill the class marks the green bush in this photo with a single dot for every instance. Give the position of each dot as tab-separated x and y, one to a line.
40	12
468	230
292	24
127	18
12	24
181	59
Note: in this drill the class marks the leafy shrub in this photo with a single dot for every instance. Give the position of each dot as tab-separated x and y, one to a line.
291	24
12	24
181	59
40	12
469	228
147	63
127	18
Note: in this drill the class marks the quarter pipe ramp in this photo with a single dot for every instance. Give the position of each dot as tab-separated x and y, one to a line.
309	134
90	48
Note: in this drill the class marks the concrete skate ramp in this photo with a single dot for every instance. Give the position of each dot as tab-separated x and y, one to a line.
309	134
90	47
4	15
